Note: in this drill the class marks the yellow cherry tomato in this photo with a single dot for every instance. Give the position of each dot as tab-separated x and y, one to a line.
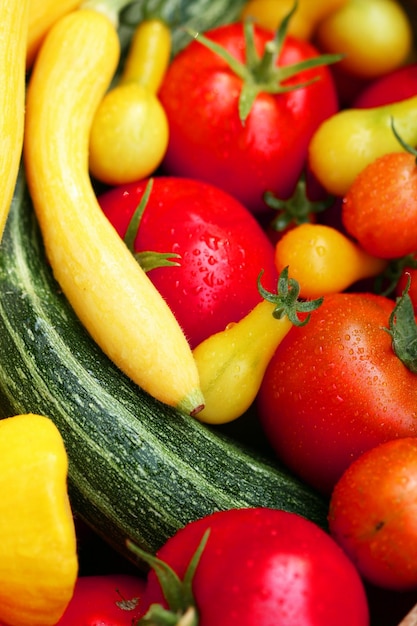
348	141
323	260
270	13
375	35
148	55
129	135
231	363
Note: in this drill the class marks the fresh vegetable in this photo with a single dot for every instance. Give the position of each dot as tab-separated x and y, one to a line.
298	209
373	510
348	141
110	293
138	468
384	225
129	135
323	260
375	36
38	557
105	600
197	15
336	387
129	132
270	13
256	101
221	248
254	566
42	15
408	274
399	84
232	363
13	40
149	54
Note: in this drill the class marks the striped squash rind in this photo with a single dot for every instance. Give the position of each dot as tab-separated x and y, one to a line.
137	468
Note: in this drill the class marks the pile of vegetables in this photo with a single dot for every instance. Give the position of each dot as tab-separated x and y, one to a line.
208	300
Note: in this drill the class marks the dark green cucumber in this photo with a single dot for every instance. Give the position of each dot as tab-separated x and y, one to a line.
137	468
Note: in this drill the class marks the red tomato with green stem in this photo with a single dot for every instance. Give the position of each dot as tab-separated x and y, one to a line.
336	388
221	249
242	119
105	600
260	566
373	513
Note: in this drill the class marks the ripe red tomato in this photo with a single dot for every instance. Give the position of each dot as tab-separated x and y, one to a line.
221	245
110	600
208	140
373	514
397	85
264	567
380	208
335	388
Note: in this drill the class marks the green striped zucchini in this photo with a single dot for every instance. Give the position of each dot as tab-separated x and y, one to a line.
137	468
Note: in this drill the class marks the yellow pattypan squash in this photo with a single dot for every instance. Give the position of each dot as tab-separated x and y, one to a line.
38	557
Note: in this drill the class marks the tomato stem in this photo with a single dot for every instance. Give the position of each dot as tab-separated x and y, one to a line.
403	329
407	147
296	209
263	74
386	282
148	260
182	610
286	299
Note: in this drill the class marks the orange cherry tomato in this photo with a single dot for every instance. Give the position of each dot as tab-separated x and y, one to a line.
373	514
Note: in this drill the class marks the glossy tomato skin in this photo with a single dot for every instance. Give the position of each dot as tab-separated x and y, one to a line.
221	245
95	601
209	142
373	514
397	85
335	389
265	566
383	223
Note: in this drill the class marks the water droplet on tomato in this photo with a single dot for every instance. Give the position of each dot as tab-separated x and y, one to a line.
211	241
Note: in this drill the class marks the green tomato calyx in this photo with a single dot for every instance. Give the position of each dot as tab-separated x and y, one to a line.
182	610
297	209
386	282
403	329
286	299
262	74
148	260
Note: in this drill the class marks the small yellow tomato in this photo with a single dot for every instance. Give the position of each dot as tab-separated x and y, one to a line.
148	55
323	260
270	13
375	35
129	135
346	142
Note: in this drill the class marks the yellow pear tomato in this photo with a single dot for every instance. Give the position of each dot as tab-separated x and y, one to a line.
129	135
